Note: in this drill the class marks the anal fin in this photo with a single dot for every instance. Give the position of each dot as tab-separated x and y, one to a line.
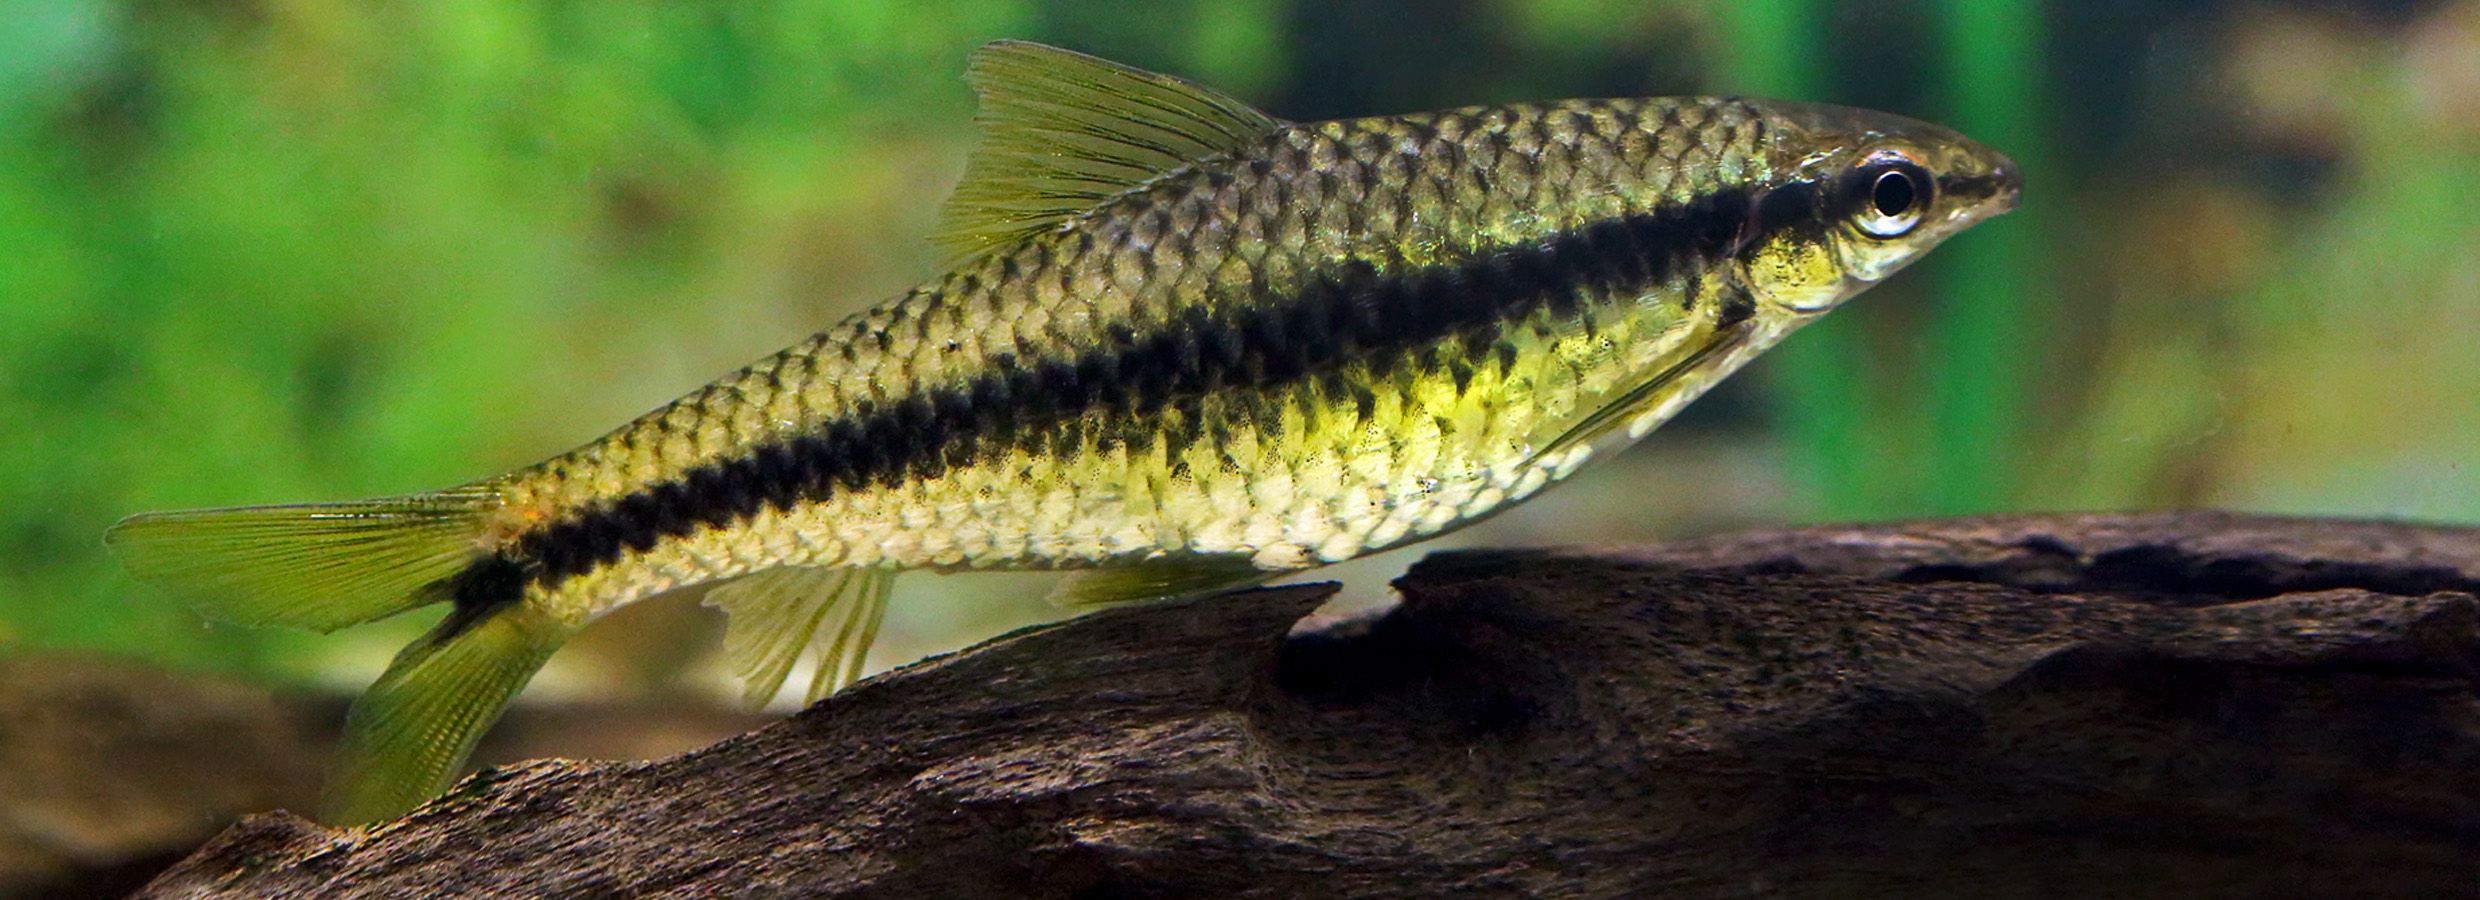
780	616
1156	579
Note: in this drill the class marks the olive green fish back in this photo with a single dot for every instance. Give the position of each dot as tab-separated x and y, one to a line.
1343	336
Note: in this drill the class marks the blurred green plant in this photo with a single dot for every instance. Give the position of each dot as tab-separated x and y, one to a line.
1988	327
1951	445
279	251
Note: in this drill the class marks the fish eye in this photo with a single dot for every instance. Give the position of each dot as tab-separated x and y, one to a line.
1893	194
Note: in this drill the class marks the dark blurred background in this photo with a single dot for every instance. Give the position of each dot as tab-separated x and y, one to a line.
280	250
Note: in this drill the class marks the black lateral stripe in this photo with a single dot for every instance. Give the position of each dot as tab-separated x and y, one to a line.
1791	206
1352	311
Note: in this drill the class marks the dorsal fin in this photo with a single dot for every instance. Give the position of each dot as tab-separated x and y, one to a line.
1063	131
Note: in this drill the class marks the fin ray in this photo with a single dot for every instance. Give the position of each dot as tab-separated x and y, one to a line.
319	566
1156	579
1062	132
1633	402
778	616
840	660
408	736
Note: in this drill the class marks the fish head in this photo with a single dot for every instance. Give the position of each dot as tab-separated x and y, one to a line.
1860	194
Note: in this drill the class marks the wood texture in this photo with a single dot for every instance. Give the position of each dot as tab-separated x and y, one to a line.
2175	705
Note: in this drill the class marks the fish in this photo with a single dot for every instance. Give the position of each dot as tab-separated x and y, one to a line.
1184	347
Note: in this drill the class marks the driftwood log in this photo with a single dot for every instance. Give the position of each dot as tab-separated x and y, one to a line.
2178	705
112	769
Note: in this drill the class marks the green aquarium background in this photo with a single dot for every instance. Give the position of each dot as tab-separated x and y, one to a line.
278	250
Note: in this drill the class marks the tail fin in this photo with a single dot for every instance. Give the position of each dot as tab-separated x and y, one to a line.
320	566
410	733
329	565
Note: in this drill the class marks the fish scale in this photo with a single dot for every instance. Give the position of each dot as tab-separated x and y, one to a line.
1185	347
1131	270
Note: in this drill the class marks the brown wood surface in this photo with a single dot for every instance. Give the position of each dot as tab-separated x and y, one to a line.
2167	705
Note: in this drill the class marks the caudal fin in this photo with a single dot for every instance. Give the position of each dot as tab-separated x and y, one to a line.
408	736
325	566
320	566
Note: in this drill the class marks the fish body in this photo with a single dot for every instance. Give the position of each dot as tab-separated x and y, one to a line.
1187	347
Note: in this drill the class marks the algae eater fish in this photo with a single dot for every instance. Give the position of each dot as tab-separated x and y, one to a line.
1187	347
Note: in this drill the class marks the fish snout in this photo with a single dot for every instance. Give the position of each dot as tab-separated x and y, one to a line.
2009	182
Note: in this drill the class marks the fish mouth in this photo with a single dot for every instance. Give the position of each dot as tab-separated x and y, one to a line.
2010	186
1993	192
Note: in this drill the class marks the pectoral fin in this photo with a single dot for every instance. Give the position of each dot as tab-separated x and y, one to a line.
1644	396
